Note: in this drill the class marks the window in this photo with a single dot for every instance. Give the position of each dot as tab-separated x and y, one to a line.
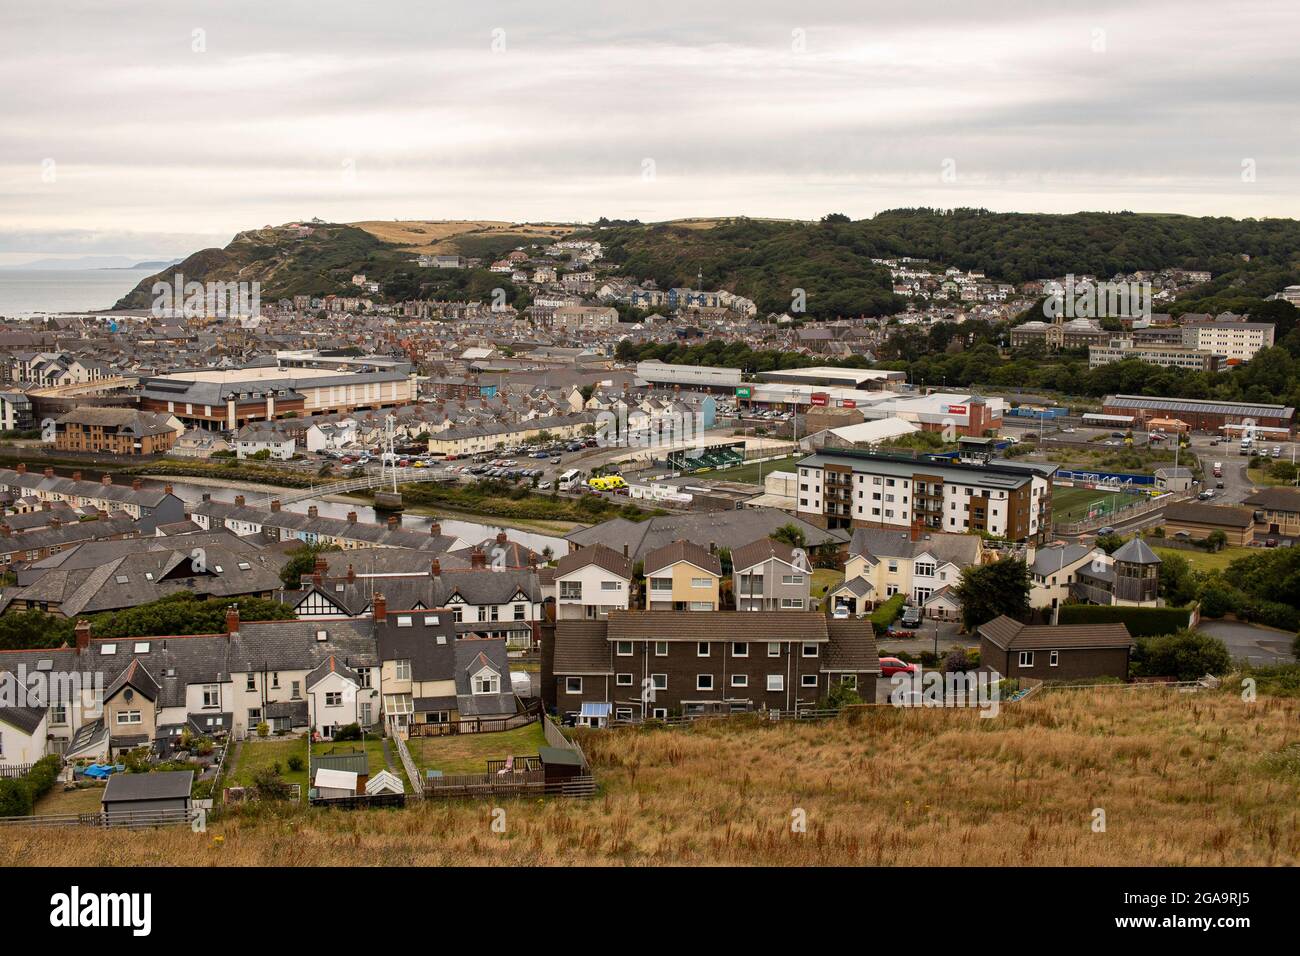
701	582
59	714
211	695
792	604
661	648
333	698
623	648
275	680
704	682
364	714
486	682
739	649
623	680
570	590
659	681
739	680
402	669
923	569
126	717
519	612
1054	659
105	649
141	647
702	649
611	585
773	648
701	605
661	584
660	713
809	650
808	680
776	682
573	685
251	683
1026	658
792	579
849	680
893	566
295	689
364	674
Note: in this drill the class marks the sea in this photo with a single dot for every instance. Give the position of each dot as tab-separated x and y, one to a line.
25	292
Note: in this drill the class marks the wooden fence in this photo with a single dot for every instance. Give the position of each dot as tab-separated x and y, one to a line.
412	771
15	770
556	738
530	783
361	801
475	725
124	819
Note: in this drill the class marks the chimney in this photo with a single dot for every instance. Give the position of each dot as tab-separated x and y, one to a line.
381	609
76	476
316	578
501	537
106	480
916	531
435	568
321	566
55	522
275	504
46	505
49	472
137	484
393	522
167	489
82	630
313	511
5	530
352	574
477	559
232	619
239	501
207	496
435	530
625	554
21	469
352	517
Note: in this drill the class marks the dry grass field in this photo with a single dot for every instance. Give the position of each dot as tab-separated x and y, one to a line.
1184	779
436	236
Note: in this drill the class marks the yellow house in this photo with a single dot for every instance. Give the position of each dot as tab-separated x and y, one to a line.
682	576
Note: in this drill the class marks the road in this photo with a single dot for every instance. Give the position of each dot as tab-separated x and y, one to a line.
1251	642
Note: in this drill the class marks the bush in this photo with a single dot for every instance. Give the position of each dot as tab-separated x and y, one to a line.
270	785
957	661
887	613
263	729
15	798
296	763
347	732
1140	621
1186	655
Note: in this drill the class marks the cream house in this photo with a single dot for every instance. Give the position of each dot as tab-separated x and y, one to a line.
682	576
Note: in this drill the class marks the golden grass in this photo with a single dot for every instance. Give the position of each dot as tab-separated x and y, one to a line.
434	236
1185	779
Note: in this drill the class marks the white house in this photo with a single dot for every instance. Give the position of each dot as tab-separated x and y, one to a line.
22	735
591	582
334	695
256	437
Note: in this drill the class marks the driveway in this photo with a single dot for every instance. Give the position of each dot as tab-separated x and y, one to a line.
1251	642
948	639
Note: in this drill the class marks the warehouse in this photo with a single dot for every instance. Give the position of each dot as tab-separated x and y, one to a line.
1201	415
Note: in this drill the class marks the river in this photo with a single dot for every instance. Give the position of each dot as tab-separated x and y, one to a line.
471	532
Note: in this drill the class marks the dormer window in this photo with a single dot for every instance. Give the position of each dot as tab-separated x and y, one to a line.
487	681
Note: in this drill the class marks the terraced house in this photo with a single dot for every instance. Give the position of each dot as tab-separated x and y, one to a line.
922	566
682	576
148	505
655	664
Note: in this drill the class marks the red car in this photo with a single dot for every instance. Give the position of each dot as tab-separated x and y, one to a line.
889	666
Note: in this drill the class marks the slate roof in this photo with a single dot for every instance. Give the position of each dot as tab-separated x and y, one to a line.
756	552
679	551
162	785
26	719
717	626
851	647
1196	513
605	558
1011	635
720	529
1050	560
1276	499
959	549
331	665
1136	551
582	647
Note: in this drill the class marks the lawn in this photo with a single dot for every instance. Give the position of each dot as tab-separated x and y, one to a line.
822	580
1184	779
256	754
81	800
750	473
469	753
1203	560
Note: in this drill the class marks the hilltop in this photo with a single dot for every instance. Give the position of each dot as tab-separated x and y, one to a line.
764	259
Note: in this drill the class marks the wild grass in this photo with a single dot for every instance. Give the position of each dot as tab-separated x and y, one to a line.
1184	779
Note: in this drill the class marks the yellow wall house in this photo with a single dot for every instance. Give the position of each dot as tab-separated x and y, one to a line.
682	576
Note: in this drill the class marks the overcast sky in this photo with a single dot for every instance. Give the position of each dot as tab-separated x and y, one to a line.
125	131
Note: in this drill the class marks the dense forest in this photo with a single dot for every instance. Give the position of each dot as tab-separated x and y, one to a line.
830	259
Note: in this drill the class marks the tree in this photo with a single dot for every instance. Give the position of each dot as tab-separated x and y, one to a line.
1110	543
302	562
1184	655
790	534
1215	541
1178	584
989	590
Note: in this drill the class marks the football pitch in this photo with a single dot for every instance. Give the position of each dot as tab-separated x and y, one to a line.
1074	504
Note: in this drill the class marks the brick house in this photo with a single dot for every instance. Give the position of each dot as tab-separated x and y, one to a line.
117	431
688	663
1061	652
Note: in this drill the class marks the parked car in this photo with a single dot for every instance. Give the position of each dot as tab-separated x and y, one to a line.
889	666
911	617
1101	532
1218	484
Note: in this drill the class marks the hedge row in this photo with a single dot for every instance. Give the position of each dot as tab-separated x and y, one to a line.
18	795
1140	621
